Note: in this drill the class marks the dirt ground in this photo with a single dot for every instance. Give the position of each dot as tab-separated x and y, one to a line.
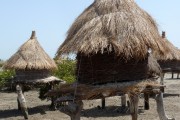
38	110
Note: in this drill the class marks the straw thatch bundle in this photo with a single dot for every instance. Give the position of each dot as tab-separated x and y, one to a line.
172	60
114	25
30	56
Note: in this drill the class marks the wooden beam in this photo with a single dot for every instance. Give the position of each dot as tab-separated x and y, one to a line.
160	107
90	92
22	101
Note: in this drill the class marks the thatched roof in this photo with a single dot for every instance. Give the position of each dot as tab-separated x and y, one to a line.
174	53
119	25
30	56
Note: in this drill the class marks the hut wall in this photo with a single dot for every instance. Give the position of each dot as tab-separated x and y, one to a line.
170	65
31	74
102	68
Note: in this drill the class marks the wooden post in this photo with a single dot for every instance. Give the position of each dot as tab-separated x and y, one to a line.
123	101
172	75
146	101
19	107
160	107
76	113
22	101
162	81
103	103
134	99
177	75
73	109
53	105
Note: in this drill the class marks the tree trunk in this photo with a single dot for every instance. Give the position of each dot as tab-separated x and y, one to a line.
22	101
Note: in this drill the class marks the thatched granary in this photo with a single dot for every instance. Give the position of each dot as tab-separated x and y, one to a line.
170	62
111	39
31	62
33	68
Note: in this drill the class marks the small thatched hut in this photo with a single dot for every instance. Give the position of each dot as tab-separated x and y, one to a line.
33	67
170	62
31	62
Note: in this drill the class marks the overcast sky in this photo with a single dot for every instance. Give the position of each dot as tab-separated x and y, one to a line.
52	18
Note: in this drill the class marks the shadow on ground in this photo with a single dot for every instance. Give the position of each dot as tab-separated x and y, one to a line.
170	95
109	111
32	111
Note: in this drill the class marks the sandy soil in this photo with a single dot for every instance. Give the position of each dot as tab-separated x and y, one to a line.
38	110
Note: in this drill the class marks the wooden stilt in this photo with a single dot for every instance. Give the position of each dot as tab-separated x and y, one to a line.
146	101
22	101
75	108
134	99
172	75
160	107
53	105
123	101
177	75
162	81
103	102
19	107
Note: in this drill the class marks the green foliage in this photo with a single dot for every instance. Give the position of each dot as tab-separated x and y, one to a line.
66	70
1	63
5	76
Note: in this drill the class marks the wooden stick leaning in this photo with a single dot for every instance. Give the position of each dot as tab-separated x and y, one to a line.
22	101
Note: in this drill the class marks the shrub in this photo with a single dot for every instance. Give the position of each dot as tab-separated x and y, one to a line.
5	77
66	70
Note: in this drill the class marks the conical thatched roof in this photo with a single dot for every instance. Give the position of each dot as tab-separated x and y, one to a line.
174	53
30	56
118	25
